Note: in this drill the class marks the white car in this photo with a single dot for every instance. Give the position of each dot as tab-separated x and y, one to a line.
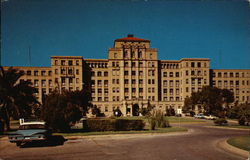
200	116
210	117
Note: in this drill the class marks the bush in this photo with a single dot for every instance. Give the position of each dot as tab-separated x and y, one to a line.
157	119
220	121
114	125
241	121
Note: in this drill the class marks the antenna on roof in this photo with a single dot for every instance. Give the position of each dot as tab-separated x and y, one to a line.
29	56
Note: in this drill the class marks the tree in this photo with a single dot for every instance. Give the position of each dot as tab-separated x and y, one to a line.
146	111
97	111
60	110
244	114
213	100
16	97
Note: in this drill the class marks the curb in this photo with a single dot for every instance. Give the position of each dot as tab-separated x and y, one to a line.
241	129
229	148
136	135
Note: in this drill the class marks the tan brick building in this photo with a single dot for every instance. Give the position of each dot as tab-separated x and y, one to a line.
132	77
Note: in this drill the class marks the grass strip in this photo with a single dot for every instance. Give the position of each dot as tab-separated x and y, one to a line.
158	130
242	142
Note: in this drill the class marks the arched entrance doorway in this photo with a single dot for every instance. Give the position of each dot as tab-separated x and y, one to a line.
135	110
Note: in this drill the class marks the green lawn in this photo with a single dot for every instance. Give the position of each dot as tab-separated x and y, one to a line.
242	142
171	119
158	130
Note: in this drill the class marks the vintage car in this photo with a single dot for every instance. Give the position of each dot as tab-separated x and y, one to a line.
210	117
30	131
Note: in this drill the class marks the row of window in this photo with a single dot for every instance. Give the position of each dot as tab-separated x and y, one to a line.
230	83
228	74
98	65
38	73
66	62
99	73
67	71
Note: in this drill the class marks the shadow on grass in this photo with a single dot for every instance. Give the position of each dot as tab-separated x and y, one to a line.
55	140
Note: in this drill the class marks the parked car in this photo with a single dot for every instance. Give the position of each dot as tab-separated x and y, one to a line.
210	117
30	131
200	116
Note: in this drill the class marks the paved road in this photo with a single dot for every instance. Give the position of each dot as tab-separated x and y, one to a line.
200	143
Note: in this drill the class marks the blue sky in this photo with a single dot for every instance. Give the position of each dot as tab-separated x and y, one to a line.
215	29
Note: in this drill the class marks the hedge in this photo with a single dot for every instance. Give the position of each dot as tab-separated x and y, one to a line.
114	125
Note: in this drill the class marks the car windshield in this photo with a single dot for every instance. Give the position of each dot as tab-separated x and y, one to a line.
32	126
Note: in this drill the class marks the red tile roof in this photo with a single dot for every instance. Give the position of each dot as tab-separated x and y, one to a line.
131	38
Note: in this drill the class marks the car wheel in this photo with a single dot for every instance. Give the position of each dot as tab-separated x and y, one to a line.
18	144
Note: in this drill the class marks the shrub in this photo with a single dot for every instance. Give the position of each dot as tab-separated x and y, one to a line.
241	121
114	124
157	119
220	121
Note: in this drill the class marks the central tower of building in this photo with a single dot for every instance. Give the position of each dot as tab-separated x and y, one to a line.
134	73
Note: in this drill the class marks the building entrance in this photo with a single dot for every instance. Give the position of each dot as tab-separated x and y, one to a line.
135	110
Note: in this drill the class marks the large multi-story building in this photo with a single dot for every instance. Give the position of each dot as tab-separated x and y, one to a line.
132	77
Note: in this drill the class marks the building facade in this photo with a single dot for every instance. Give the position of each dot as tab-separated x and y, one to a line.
132	77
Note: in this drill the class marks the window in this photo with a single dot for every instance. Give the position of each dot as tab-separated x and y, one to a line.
126	64
93	83
192	64
133	81
186	72
43	83
140	73
70	62
187	81
165	83
28	73
126	90
165	91
231	74
126	73
171	83
70	81
219	74
106	83
164	74
140	54
133	90
171	74
133	64
141	90
77	62
77	71
50	83
56	62
63	62
225	74
177	74
177	83
140	81
70	71
115	55
99	82
105	74
36	83
199	64
43	73
63	80
63	71
36	73
133	73
99	73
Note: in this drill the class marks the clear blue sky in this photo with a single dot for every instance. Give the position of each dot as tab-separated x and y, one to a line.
215	29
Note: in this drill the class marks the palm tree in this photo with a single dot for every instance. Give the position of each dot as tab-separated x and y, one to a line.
16	97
